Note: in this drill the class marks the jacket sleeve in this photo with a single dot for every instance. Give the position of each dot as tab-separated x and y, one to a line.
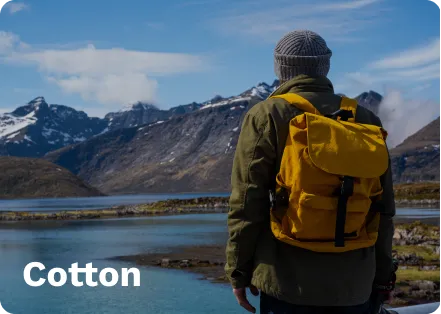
383	246
252	175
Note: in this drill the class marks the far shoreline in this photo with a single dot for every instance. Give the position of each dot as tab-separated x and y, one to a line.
198	205
207	205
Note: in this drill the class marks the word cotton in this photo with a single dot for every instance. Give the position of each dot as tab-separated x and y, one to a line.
57	277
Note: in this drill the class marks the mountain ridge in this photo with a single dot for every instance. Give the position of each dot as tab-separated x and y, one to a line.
186	148
418	157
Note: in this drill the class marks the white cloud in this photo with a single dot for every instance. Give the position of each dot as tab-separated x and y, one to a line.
408	68
15	7
109	76
92	61
403	117
8	42
411	58
350	5
269	23
111	89
405	108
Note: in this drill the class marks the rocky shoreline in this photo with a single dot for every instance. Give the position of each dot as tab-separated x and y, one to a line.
416	247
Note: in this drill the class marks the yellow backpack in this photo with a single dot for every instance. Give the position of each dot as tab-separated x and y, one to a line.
329	180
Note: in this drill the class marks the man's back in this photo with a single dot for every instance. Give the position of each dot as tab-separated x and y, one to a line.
285	272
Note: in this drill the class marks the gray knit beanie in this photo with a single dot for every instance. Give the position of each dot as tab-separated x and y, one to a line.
301	52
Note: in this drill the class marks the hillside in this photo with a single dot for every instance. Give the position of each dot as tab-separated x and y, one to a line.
37	178
417	158
189	153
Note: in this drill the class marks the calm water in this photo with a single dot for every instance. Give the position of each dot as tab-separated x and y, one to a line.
79	203
59	244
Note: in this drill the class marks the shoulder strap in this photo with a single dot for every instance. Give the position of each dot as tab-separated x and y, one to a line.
298	101
349	104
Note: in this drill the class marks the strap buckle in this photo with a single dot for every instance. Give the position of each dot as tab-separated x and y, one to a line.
344	115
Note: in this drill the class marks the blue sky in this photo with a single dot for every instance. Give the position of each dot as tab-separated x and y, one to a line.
99	55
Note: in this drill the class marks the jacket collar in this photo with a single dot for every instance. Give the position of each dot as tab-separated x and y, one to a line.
304	83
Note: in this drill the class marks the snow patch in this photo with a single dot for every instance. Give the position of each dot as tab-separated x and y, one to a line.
104	131
28	138
79	139
9	123
228	146
13	135
235	129
225	102
48	132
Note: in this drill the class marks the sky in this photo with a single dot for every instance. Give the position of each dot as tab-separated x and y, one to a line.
98	56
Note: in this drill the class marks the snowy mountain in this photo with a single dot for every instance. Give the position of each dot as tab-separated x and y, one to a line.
36	128
141	113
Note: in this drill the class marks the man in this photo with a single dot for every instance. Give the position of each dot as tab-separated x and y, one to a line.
292	279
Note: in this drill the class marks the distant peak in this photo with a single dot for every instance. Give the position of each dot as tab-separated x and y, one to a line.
263	84
216	98
138	106
37	105
37	101
276	83
370	94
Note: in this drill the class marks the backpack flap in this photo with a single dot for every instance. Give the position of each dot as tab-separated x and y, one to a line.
345	148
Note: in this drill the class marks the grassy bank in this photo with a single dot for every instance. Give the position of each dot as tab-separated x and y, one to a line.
425	194
169	207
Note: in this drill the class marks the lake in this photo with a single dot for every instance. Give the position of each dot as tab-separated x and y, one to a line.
61	243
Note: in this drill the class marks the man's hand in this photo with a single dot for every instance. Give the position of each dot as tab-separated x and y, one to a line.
241	296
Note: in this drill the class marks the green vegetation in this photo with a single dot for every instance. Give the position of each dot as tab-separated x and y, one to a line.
424	252
417	191
413	273
169	207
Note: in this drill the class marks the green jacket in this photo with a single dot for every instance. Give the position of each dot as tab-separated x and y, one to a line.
253	255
